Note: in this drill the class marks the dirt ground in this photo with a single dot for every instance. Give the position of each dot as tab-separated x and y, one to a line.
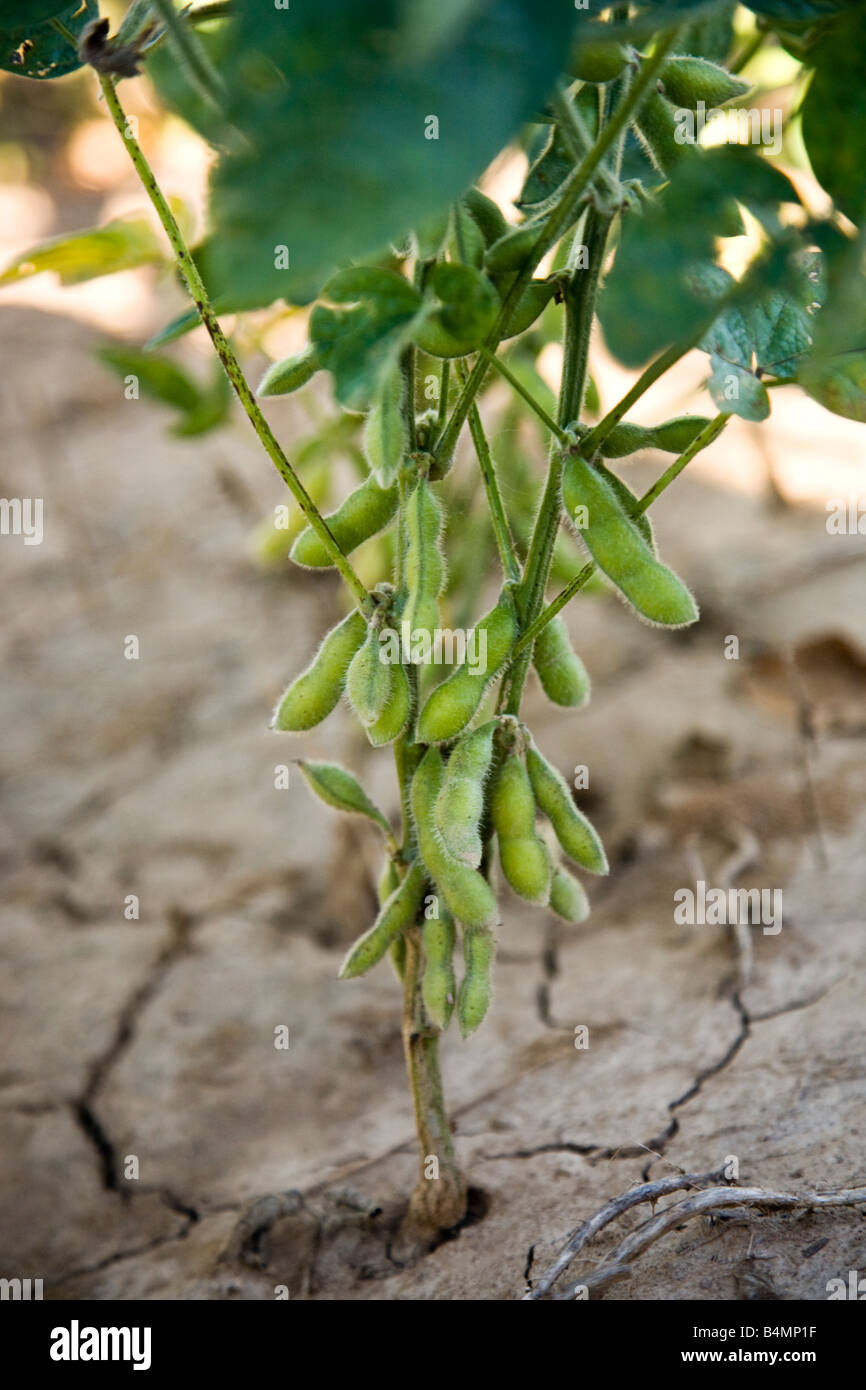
153	1039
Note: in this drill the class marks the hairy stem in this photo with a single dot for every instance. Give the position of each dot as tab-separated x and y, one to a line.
499	520
552	228
521	390
195	285
439	1199
189	50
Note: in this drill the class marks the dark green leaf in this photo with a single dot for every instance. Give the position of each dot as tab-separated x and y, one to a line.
834	114
334	97
30	46
358	345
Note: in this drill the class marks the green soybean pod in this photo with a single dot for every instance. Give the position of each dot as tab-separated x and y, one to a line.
317	690
473	999
528	867
524	857
466	893
487	215
621	551
397	913
689	80
449	708
675	436
281	378
628	501
460	804
465	242
512	804
363	514
438	985
598	62
509	254
664	138
424	570
563	676
396	710
389	881
369	680
626	438
574	832
567	897
385	438
532	302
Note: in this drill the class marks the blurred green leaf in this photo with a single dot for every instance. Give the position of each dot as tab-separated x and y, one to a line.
834	114
119	245
363	138
200	409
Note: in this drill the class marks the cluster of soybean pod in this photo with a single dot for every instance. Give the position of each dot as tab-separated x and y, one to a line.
475	776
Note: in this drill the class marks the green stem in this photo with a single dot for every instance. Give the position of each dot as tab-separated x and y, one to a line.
521	390
499	520
701	442
579	309
198	293
554	225
647	378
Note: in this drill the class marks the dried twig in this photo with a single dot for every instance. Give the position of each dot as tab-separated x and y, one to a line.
713	1199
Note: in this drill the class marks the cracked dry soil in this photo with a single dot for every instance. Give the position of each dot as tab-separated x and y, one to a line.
147	1047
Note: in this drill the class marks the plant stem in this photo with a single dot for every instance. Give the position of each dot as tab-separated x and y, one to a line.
195	285
554	225
579	309
647	378
702	441
439	1199
189	50
521	390
499	520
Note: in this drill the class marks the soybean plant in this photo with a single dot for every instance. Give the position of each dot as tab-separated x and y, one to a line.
334	187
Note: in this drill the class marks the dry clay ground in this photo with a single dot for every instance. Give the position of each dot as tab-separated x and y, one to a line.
155	1038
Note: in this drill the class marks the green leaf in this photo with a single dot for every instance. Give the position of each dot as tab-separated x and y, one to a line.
340	789
469	302
30	46
764	338
664	276
163	380
834	114
119	245
335	99
834	372
359	345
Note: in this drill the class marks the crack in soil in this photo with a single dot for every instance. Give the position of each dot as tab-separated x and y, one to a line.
84	1107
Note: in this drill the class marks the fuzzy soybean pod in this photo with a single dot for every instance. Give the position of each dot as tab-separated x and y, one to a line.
395	711
365	513
465	892
563	676
425	572
449	708
621	551
524	856
317	690
369	680
567	897
476	987
675	436
438	985
460	803
574	832
398	912
507	256
657	126
689	80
